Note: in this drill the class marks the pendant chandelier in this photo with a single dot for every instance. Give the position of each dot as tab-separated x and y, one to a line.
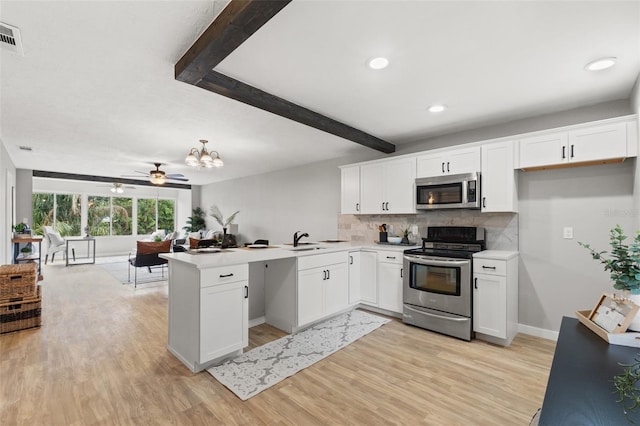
203	158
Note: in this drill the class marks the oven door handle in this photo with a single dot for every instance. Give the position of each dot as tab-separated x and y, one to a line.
435	262
436	316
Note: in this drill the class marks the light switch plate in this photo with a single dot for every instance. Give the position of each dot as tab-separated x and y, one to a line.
567	233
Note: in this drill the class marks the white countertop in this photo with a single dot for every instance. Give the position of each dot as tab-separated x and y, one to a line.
235	256
496	254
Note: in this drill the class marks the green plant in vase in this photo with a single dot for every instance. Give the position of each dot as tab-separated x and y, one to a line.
623	262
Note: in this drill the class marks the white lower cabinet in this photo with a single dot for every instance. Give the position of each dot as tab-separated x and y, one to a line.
224	319
390	275
208	313
323	286
495	295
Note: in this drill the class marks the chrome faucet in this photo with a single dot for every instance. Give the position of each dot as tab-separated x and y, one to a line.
296	238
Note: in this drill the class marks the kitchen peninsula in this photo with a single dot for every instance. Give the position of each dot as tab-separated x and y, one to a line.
209	293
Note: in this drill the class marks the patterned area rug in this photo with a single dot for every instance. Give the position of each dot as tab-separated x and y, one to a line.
118	267
264	366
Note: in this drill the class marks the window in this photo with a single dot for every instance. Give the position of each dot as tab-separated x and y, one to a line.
166	215
155	214
99	215
61	211
121	223
146	216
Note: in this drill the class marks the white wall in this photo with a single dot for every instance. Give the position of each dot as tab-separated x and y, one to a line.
557	276
275	205
7	209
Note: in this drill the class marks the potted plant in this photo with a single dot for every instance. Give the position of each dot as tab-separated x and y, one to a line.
196	222
215	212
21	230
623	263
26	250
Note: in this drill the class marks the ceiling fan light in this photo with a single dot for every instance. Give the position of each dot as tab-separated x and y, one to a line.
157	179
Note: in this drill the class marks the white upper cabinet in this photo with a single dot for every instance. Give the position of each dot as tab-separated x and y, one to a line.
350	190
498	188
388	187
466	160
591	144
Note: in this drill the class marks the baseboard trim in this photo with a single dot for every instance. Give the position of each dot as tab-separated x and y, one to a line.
538	332
256	321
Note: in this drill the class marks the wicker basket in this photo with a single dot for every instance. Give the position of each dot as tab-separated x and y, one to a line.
18	281
19	315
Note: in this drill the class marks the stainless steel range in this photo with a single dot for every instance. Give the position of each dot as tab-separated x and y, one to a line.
437	287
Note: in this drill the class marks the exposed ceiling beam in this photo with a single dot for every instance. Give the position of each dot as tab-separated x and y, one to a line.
235	24
234	89
92	178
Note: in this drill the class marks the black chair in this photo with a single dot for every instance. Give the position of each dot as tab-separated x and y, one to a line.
146	256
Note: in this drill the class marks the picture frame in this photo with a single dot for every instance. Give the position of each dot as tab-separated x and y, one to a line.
613	313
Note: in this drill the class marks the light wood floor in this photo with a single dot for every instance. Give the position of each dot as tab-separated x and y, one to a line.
100	357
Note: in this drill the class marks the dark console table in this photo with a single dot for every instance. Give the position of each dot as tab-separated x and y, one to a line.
580	390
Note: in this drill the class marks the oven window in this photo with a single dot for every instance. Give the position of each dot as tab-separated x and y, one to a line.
450	193
435	279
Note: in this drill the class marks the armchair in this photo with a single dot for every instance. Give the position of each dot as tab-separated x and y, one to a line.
146	256
55	243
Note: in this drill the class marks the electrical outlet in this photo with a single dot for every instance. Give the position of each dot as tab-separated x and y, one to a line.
567	233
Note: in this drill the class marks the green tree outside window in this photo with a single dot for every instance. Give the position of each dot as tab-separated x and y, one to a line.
146	215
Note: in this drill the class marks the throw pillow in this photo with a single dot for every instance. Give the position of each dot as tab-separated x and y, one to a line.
151	247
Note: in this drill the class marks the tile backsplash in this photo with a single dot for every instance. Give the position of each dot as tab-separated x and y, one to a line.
501	229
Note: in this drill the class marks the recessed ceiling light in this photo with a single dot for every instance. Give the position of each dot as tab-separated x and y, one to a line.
437	108
378	63
600	64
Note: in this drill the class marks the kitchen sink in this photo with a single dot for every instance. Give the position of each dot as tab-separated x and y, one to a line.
303	248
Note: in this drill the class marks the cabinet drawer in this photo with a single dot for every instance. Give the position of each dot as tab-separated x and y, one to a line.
224	274
489	266
320	260
390	257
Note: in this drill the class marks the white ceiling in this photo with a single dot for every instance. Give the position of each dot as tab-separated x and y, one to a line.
95	91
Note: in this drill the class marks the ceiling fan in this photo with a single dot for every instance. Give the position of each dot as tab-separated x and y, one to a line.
159	177
117	187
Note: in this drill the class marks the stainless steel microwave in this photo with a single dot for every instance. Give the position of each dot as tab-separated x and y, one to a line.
448	192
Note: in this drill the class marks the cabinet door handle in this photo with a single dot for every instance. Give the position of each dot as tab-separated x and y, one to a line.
383	206
484	202
447	167
246	291
386	206
489	267
324	275
226	275
357	207
328	274
401	272
443	167
391	257
571	151
475	283
350	260
563	152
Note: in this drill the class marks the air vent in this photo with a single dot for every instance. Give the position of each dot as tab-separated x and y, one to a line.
10	39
